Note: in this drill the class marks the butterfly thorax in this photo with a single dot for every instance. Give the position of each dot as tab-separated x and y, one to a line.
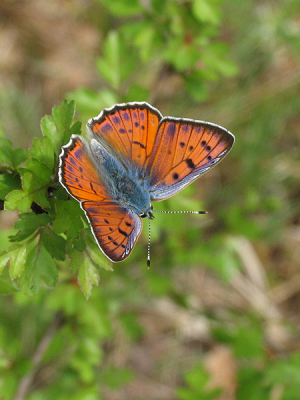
131	191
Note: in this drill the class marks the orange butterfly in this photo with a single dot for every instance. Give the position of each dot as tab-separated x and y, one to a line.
135	156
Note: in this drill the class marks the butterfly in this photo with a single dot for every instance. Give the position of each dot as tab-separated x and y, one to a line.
135	156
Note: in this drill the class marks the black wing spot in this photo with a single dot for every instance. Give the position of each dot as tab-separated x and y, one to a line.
122	130
80	169
191	148
175	176
111	229
203	143
123	246
106	128
110	238
127	223
209	158
140	144
190	163
181	144
106	221
208	148
136	124
123	232
116	120
171	129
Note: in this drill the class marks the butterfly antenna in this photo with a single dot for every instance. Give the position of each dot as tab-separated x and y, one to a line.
148	247
181	212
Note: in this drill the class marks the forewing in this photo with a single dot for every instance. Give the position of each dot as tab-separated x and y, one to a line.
115	228
77	172
128	129
183	150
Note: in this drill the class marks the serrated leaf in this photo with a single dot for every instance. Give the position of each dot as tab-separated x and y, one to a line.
67	219
17	262
63	115
88	276
40	171
39	267
36	181
74	130
50	131
57	127
19	199
54	244
28	224
43	151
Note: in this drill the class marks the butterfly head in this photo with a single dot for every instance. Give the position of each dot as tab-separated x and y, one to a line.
148	213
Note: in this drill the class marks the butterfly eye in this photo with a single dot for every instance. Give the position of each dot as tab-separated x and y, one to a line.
143	215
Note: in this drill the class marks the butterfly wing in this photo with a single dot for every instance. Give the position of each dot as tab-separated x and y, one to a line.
127	129
183	150
116	229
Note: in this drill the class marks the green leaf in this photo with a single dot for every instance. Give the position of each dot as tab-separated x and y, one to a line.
8	183
43	151
124	7
19	199
28	224
68	218
41	173
88	274
96	255
182	56
57	127
6	152
36	181
54	244
39	267
63	116
116	64
89	103
4	258
49	130
146	39
207	11
19	156
17	262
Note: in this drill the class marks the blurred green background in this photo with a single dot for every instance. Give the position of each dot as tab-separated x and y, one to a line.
217	316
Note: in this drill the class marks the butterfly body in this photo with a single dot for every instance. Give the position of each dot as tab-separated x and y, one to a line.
135	156
125	183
